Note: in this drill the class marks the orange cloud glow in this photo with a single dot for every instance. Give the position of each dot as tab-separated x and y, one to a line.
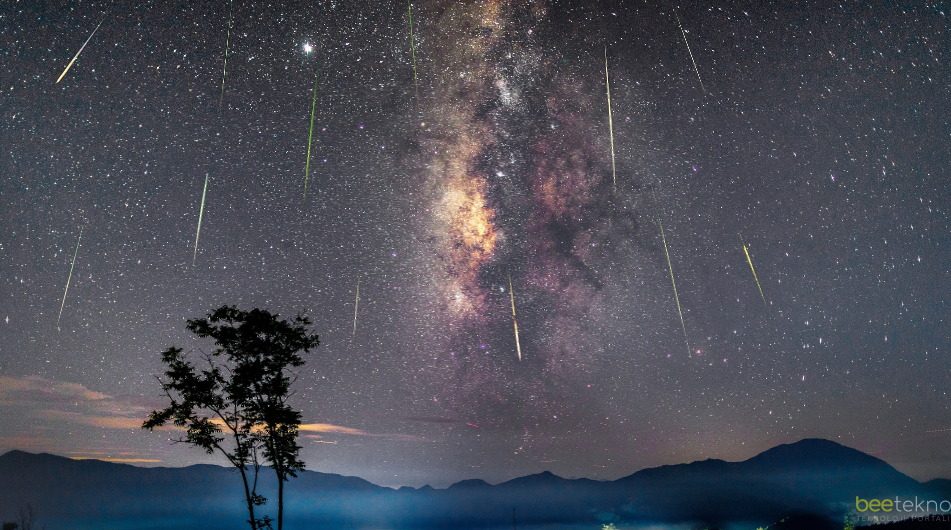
326	427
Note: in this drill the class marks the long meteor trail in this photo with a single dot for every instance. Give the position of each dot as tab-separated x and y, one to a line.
80	51
518	346
201	212
63	304
684	33
607	83
310	138
224	70
674	283
356	305
748	260
412	47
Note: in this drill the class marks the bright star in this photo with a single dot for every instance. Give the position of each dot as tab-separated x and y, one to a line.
308	48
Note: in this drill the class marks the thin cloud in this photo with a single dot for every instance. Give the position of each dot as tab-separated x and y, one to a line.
37	443
337	429
327	427
38	392
105	422
38	389
48	403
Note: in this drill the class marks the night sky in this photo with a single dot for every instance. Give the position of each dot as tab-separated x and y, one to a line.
820	134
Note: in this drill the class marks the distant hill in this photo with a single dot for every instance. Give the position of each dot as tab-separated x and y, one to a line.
810	478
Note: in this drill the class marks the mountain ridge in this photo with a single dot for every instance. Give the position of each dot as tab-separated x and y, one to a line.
812	476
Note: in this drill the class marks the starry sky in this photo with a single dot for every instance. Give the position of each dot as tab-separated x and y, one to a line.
463	166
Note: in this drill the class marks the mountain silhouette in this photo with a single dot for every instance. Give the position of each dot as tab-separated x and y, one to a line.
811	479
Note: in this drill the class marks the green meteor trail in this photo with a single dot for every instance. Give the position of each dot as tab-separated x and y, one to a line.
201	212
684	33
748	260
313	109
607	82
674	283
224	70
356	305
412	47
63	304
518	346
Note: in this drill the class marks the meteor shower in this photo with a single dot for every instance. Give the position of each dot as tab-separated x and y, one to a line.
542	264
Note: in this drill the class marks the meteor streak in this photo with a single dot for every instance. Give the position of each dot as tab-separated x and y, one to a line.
607	82
313	109
80	51
412	47
748	260
224	70
75	252
518	346
201	212
674	283
684	33
356	305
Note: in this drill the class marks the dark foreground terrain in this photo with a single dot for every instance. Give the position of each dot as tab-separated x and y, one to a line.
809	484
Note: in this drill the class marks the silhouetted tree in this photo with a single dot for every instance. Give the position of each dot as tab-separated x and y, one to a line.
263	349
26	520
244	390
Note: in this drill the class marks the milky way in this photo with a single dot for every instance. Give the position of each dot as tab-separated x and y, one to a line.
519	184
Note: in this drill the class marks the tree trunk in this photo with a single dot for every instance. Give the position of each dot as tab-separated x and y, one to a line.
280	500
247	496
